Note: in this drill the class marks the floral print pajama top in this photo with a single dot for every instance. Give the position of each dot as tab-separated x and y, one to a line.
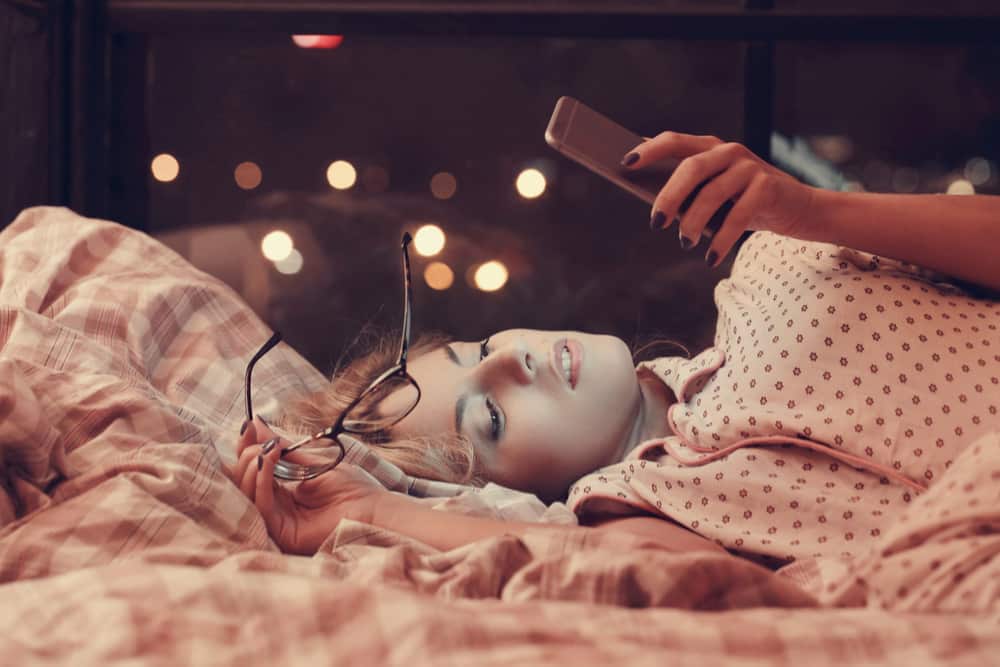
840	385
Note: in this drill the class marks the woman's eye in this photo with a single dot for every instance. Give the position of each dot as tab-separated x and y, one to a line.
494	419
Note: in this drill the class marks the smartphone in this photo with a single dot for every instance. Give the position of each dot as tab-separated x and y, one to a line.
599	144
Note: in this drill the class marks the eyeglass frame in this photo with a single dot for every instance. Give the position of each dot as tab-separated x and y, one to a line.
282	469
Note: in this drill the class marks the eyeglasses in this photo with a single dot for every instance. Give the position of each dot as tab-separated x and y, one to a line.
387	400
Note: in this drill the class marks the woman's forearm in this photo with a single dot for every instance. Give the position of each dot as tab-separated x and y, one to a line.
958	235
450	530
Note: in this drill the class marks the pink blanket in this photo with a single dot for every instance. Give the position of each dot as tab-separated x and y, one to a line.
121	370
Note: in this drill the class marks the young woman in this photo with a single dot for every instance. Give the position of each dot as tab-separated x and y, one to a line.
840	384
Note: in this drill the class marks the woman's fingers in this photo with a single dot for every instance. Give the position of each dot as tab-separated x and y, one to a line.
240	467
694	173
668	145
263	430
737	221
246	456
248	481
264	492
710	198
254	432
247	437
724	185
246	464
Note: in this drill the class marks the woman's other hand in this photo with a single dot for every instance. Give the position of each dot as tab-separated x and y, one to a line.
300	515
715	172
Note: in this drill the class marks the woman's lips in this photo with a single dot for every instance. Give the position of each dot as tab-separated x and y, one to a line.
575	359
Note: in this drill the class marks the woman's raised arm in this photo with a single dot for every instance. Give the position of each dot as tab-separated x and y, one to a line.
958	235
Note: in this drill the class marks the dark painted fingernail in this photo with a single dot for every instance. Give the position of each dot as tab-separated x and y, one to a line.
263	421
630	159
243	429
260	463
686	244
711	257
656	222
269	445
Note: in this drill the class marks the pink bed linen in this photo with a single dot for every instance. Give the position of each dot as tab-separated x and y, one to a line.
121	540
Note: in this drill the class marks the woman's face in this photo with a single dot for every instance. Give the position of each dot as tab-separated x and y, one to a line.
534	429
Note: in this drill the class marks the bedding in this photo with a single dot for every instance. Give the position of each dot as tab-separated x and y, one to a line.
122	540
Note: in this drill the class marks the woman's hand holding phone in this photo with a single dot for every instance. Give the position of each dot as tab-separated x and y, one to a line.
712	174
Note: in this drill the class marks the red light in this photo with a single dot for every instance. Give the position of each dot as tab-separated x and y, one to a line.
317	41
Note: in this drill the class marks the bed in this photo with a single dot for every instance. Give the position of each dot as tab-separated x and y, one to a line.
122	540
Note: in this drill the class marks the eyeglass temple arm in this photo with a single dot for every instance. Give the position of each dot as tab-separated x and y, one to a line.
265	348
407	298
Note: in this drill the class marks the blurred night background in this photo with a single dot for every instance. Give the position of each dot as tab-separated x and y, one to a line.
343	143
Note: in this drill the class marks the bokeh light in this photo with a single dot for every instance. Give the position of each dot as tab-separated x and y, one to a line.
290	265
835	148
341	175
165	167
247	175
439	276
443	185
530	183
961	186
978	171
277	245
429	240
491	276
317	41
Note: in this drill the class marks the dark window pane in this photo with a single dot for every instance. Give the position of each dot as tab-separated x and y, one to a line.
401	111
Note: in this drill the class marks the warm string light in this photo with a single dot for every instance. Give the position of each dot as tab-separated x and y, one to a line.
439	276
290	265
247	175
530	183
443	185
960	186
491	276
341	175
276	245
429	240
165	167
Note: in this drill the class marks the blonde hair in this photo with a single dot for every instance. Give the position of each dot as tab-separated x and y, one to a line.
448	457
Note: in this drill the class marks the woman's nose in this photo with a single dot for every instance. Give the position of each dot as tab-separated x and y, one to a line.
513	363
